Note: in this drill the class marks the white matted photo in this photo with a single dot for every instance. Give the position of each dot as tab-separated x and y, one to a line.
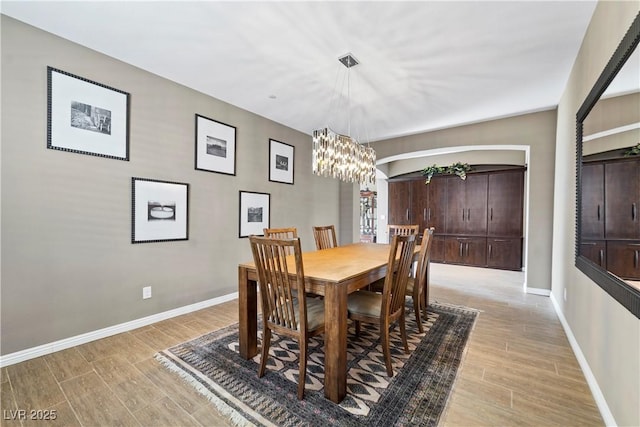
160	211
281	159
86	117
255	213
215	146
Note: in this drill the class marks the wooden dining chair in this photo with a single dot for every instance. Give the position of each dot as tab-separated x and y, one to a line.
283	312
388	307
281	233
325	237
418	286
401	230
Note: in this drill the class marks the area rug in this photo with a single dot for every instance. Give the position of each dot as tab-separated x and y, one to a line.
415	395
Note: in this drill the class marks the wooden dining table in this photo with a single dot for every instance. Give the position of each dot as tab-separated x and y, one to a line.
333	273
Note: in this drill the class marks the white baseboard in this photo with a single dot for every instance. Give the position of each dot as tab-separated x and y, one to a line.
538	291
41	350
606	414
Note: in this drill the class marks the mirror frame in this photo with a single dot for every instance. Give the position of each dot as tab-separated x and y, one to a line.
621	291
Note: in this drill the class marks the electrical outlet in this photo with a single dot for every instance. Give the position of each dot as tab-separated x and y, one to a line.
146	292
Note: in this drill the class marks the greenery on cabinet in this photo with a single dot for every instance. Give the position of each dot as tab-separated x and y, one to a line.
633	151
458	168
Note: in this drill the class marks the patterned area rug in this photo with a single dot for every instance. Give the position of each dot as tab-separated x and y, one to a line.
415	395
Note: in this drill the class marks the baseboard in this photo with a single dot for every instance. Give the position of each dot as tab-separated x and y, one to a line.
538	291
606	414
42	350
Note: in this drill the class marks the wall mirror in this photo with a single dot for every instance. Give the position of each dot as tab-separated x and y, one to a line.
608	176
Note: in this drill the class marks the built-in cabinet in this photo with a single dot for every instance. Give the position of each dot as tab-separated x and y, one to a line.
478	221
610	225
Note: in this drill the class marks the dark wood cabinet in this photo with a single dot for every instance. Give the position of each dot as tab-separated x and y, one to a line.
478	221
505	204
622	199
467	205
593	201
595	251
623	259
504	253
466	250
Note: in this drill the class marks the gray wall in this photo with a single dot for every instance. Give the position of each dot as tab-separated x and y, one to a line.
607	333
68	266
535	130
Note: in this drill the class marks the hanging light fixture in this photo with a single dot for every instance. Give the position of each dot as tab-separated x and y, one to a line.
341	156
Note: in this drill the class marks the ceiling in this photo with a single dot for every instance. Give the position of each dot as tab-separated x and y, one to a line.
424	65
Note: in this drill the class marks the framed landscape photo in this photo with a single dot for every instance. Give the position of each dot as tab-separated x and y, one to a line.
159	211
255	213
86	117
280	162
215	146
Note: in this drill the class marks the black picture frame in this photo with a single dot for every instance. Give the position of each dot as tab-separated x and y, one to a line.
281	162
215	146
86	117
254	213
159	210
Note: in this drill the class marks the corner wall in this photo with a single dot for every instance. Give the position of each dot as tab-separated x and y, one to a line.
608	334
68	265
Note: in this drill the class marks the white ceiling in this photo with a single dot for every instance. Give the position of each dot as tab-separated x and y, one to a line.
424	65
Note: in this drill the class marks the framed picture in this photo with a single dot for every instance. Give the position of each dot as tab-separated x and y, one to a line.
215	146
159	211
86	117
255	213
280	162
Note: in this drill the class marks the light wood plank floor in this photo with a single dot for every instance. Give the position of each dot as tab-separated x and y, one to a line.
518	370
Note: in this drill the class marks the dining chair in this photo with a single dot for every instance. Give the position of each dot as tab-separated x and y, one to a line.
284	312
419	284
388	307
281	233
325	237
402	230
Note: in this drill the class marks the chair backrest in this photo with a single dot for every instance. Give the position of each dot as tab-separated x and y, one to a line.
401	230
281	307
401	257
423	262
282	233
325	237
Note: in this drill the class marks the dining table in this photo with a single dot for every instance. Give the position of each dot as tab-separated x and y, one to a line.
332	273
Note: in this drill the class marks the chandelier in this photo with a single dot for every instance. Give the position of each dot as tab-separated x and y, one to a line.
341	156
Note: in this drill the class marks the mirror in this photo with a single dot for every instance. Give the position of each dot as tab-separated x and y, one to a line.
608	176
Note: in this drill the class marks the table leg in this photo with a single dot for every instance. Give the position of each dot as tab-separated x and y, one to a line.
248	316
335	339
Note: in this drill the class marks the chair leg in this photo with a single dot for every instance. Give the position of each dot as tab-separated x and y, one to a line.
403	333
417	309
302	377
357	328
266	342
384	335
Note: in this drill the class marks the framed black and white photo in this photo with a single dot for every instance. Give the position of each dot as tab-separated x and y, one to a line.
160	211
280	162
254	213
215	146
86	117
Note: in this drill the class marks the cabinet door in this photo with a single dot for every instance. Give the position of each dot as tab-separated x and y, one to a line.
504	253
595	251
437	249
505	198
622	194
592	201
476	204
399	202
456	206
623	259
437	204
466	250
420	204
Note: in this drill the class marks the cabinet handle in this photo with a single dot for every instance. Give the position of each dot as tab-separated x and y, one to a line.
601	257
463	214
598	212
635	259
466	249
468	214
407	214
429	214
490	251
633	211
460	249
491	216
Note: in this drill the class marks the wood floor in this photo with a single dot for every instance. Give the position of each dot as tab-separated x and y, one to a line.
519	369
